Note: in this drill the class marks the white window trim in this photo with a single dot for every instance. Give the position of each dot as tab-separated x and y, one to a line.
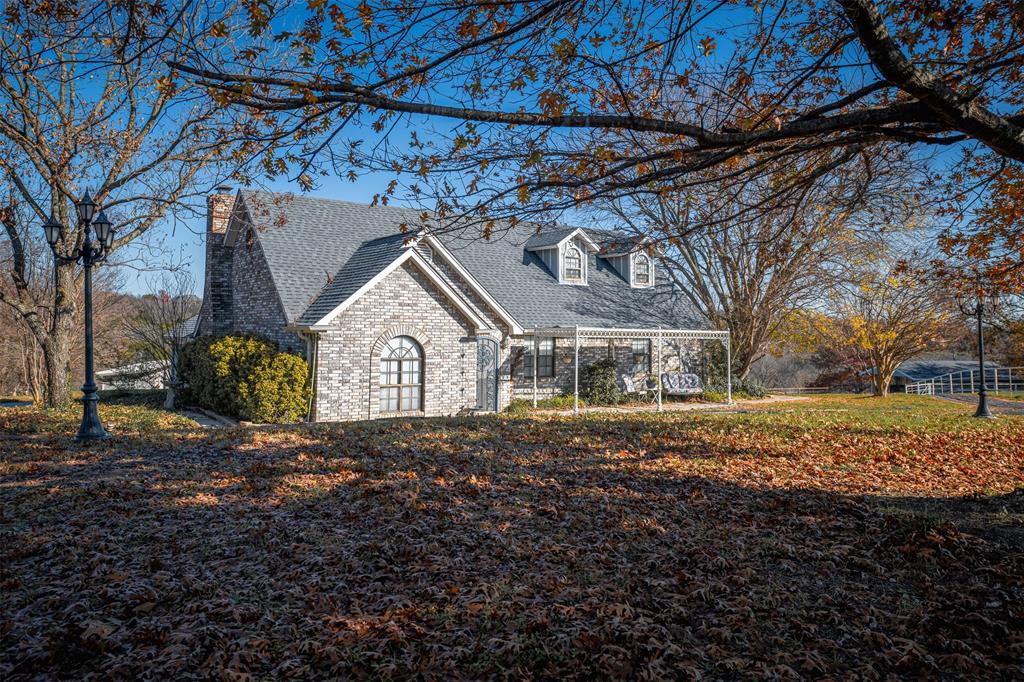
563	277
632	271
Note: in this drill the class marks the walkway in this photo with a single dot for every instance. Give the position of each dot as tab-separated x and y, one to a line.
687	406
207	419
995	405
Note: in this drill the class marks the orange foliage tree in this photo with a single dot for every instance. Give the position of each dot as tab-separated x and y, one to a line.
539	106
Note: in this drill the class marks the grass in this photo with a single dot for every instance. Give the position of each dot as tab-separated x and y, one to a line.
130	417
842	536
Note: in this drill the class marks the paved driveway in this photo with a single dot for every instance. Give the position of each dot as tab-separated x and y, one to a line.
995	405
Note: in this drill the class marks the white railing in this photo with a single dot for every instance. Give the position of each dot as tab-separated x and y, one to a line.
997	380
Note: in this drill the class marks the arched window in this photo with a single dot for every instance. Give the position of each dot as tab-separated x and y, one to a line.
401	376
643	269
573	264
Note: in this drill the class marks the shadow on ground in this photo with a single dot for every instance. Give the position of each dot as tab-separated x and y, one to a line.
487	548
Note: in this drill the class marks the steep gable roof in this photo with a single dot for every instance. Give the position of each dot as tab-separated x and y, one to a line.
320	250
367	260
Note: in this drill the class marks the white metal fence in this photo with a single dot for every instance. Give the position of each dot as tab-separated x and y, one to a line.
997	380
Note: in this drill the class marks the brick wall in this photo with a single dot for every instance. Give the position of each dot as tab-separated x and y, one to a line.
216	313
483	310
256	303
404	303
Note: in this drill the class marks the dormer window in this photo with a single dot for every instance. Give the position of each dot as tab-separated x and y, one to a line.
573	264
642	274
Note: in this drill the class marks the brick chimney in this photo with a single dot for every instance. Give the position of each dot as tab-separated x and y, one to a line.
216	315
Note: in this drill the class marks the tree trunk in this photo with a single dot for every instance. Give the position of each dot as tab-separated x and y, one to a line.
57	348
881	379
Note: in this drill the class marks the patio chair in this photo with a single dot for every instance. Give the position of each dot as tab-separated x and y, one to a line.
680	383
638	389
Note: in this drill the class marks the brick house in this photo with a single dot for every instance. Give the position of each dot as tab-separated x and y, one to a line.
397	322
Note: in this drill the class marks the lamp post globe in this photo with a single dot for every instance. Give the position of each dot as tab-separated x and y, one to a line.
53	231
101	226
86	208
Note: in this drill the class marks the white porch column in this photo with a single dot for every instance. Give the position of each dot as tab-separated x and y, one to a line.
576	375
728	368
535	348
658	382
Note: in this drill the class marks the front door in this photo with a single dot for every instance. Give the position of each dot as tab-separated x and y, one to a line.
487	353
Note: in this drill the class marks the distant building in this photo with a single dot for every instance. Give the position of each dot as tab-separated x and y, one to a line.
913	371
136	376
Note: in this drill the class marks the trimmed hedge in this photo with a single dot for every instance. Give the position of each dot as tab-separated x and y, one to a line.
245	376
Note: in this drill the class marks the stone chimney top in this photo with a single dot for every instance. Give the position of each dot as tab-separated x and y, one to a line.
218	209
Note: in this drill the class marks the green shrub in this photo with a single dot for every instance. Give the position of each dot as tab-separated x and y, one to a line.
598	385
740	389
245	377
521	406
277	390
713	396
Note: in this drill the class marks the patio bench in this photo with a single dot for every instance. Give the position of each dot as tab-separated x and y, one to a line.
680	383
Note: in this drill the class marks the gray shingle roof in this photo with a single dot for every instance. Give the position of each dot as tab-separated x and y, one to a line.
922	370
320	251
550	237
186	329
369	259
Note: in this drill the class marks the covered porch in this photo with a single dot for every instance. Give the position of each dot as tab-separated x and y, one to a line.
657	337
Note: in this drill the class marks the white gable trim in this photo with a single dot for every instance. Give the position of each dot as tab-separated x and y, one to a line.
435	278
477	288
592	246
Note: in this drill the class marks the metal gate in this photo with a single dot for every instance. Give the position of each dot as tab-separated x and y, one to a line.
487	353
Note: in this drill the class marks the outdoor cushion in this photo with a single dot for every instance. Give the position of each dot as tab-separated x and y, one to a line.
678	383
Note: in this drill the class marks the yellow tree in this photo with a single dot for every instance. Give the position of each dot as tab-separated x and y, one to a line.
886	319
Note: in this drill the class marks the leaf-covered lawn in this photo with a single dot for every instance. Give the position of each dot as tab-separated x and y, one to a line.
846	536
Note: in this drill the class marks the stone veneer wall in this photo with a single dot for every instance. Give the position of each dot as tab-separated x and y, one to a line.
404	303
257	305
676	355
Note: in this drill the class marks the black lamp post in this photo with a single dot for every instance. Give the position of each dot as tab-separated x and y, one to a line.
976	308
91	253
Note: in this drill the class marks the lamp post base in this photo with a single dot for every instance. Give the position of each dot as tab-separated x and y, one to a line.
983	411
91	427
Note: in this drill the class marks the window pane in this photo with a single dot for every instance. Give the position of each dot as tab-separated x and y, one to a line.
389	400
641	355
411	372
643	270
401	375
410	398
573	264
545	358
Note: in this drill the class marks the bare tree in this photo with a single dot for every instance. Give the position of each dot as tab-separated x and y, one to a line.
747	255
156	329
87	100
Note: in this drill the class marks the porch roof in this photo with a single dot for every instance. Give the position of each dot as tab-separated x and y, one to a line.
629	333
